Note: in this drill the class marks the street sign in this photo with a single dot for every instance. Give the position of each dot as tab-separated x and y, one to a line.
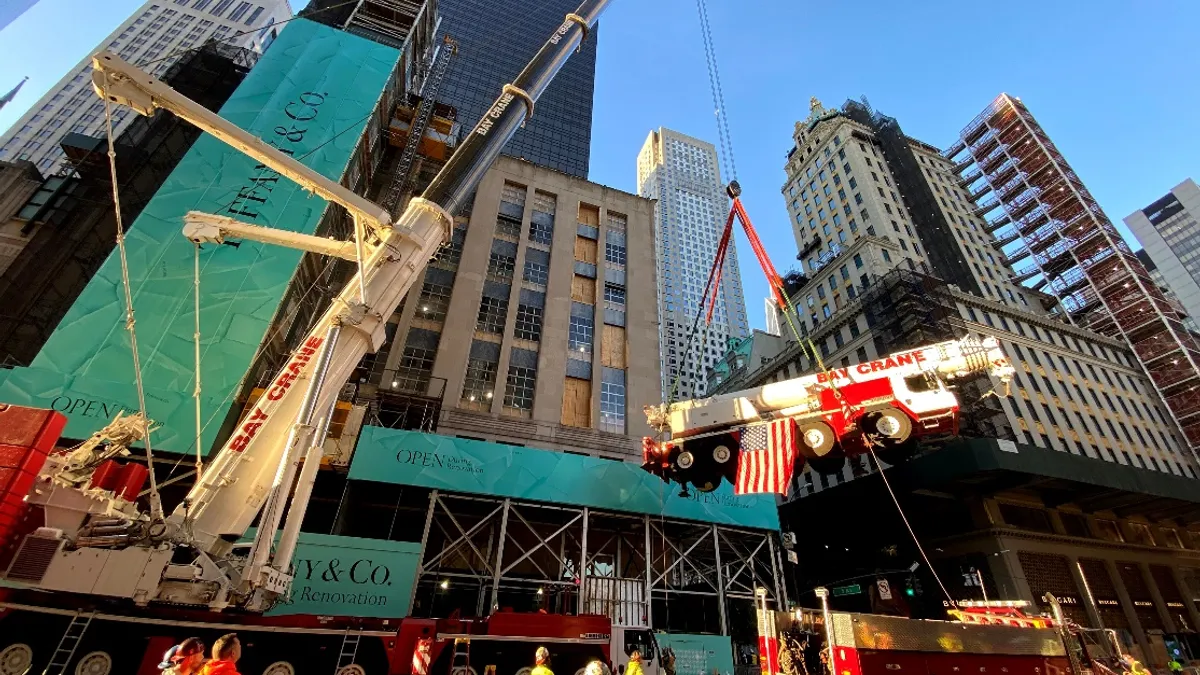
852	589
885	589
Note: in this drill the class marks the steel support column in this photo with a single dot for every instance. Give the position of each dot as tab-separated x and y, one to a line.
501	537
780	596
583	562
720	580
649	572
412	597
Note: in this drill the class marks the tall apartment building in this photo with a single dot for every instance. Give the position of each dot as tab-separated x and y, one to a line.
1169	231
496	38
524	326
153	37
1056	237
682	173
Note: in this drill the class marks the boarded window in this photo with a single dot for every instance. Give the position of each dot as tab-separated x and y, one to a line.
612	348
585	250
589	215
583	290
577	403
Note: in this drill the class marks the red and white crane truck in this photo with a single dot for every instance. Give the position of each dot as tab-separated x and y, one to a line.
883	404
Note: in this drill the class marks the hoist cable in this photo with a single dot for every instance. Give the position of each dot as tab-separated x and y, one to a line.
155	501
714	83
196	392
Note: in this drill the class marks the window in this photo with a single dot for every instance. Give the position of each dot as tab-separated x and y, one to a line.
858	261
886	256
529	323
536	273
857	198
612	400
541	228
614	293
492	313
518	394
480	381
433	302
500	267
580	333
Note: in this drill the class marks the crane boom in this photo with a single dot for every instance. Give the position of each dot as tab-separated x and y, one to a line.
257	466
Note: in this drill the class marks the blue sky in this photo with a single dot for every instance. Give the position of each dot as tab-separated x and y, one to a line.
1114	83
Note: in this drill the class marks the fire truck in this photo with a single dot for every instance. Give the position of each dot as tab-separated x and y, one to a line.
984	637
96	581
885	405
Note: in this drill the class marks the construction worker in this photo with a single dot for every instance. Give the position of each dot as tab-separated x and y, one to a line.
635	663
225	654
185	658
541	657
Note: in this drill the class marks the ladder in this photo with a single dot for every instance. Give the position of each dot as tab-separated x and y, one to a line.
68	644
420	122
349	649
462	648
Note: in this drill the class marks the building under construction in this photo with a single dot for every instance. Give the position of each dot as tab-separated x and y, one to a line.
67	227
1057	238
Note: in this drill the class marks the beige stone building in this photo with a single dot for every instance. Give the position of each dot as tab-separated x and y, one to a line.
523	329
18	182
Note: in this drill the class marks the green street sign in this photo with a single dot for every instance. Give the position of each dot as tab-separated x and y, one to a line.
852	589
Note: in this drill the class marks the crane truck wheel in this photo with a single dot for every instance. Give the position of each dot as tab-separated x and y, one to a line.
355	669
890	425
816	439
279	668
685	460
722	454
94	663
458	670
16	659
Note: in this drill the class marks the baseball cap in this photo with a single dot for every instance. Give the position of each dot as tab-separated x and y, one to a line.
169	658
180	652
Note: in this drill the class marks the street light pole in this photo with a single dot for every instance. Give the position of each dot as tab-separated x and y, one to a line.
823	594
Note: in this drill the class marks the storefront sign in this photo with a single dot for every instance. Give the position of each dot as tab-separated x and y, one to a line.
480	467
348	576
309	96
1108	603
699	654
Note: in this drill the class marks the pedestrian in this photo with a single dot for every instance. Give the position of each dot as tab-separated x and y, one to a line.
225	654
185	658
541	657
635	663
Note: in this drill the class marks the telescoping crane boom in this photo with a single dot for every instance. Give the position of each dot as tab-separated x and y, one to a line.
101	543
883	404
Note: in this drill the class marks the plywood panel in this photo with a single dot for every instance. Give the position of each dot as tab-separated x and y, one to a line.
577	403
589	215
585	250
583	290
612	347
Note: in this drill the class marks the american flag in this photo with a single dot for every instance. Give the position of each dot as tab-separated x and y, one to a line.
767	457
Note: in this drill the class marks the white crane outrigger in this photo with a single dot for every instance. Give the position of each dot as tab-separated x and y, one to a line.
256	468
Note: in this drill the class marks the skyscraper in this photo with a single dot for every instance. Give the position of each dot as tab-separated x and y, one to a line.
1057	238
1169	230
153	38
681	172
496	38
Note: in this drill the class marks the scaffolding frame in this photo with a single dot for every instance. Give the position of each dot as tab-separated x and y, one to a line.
1052	224
506	552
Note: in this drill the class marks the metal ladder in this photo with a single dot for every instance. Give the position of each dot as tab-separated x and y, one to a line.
68	644
462	647
420	122
349	649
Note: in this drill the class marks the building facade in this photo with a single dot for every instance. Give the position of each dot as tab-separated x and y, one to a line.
1169	231
683	175
495	41
523	327
1057	238
153	37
